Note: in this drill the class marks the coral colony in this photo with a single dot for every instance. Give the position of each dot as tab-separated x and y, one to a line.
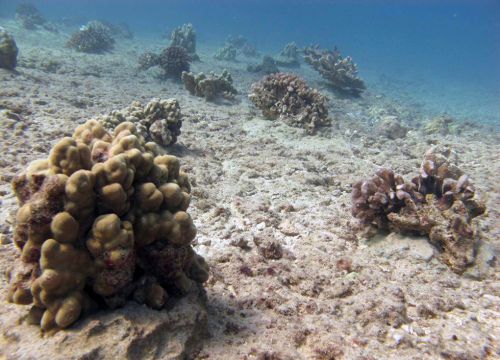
104	218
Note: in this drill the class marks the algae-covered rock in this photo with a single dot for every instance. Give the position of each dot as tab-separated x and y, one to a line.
8	50
101	221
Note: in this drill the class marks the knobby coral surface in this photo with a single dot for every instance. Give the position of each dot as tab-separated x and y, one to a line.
341	73
288	98
439	203
159	120
102	220
95	37
8	50
209	86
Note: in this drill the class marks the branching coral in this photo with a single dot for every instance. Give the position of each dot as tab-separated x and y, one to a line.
209	86
341	73
8	50
439	203
288	98
103	218
95	37
184	36
159	120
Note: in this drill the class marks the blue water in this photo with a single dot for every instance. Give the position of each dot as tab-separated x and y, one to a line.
443	54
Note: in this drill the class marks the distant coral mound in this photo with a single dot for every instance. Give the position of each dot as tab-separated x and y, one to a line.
29	16
172	60
185	36
288	98
341	73
439	203
228	52
289	56
95	37
101	221
8	50
267	66
210	86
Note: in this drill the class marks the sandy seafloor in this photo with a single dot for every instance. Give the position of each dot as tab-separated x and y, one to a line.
256	181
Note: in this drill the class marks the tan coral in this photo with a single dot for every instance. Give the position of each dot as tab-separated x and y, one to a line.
97	212
111	244
68	156
59	288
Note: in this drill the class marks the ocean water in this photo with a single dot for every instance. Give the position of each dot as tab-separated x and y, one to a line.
442	55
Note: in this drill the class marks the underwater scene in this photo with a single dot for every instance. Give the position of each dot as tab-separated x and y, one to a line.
254	180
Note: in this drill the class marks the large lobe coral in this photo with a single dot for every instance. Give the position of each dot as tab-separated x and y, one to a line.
102	220
287	97
439	203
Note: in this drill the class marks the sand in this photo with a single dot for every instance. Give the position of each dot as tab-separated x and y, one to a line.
292	277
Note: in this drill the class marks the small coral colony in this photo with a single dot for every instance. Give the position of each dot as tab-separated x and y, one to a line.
104	218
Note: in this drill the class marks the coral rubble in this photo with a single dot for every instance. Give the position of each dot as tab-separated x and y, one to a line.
101	221
288	98
184	36
228	53
341	73
8	50
268	66
159	120
289	56
209	86
439	203
95	37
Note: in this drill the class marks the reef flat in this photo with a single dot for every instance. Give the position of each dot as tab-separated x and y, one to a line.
292	273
